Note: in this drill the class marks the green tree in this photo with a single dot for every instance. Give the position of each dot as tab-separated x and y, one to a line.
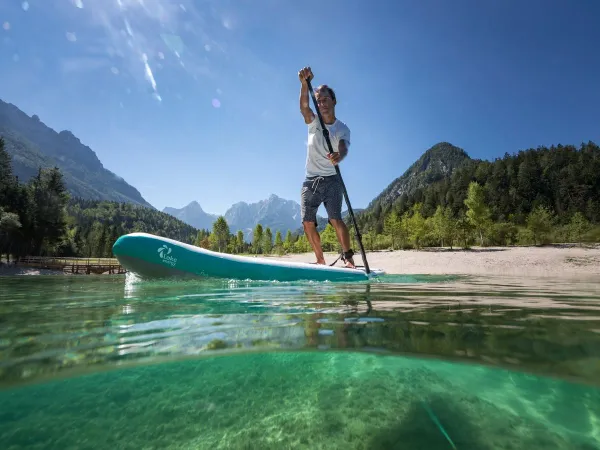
7	180
302	245
578	226
539	223
257	239
329	241
267	241
464	229
288	244
478	213
416	225
200	236
9	224
392	227
220	234
240	241
49	199
444	226
278	243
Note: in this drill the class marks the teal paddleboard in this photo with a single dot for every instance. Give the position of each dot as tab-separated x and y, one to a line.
150	256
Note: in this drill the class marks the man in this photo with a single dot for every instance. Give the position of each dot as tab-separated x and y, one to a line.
322	185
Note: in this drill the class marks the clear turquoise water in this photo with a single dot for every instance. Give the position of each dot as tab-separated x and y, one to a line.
410	362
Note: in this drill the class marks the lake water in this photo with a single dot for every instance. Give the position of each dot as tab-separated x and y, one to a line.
94	362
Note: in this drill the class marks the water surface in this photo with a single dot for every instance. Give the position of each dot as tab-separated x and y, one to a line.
409	362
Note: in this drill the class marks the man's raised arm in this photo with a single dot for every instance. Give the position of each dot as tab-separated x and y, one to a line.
307	113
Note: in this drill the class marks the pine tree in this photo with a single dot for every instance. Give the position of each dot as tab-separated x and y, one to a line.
257	237
220	233
278	243
288	244
267	241
240	241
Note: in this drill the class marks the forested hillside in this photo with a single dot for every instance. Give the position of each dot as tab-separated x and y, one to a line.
437	163
40	218
554	187
532	197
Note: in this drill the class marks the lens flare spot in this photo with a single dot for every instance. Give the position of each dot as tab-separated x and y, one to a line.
71	36
16	57
216	103
114	70
161	55
207	47
78	3
6	26
25	6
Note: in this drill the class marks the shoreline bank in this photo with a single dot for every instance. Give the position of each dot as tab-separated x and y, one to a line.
557	261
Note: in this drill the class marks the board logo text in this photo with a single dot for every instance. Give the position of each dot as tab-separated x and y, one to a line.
164	252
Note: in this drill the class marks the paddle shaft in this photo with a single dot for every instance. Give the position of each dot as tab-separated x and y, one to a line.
339	174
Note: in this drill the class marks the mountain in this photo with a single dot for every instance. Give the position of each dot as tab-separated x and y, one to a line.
274	212
439	162
32	144
193	215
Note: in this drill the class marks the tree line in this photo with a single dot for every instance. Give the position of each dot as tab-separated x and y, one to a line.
40	218
533	197
262	242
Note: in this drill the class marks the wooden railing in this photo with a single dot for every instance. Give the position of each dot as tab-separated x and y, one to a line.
73	265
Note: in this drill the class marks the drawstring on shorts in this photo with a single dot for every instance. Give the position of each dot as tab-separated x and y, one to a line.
316	180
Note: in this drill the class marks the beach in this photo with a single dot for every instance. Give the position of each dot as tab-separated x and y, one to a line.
556	261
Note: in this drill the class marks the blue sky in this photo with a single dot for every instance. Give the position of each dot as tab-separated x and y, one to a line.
198	100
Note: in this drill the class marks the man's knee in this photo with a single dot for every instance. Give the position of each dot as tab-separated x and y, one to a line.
337	223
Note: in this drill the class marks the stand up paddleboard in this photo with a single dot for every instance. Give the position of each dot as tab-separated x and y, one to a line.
150	256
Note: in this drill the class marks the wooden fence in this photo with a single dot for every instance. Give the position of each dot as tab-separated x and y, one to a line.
73	265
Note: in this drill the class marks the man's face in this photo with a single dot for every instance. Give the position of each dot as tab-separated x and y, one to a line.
324	101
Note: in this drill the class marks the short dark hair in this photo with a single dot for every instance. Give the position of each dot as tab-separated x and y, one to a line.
324	86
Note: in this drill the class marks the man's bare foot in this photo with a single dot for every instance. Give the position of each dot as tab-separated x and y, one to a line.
350	263
322	262
348	259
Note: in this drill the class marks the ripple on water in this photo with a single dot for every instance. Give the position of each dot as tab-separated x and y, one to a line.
325	371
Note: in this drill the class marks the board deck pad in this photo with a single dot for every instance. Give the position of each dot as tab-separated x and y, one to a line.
151	256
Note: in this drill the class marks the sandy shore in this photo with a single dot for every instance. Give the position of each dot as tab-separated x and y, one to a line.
556	261
551	261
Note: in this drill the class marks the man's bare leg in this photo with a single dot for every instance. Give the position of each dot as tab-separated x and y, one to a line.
343	235
314	238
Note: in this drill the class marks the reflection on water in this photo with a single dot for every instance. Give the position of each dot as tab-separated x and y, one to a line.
303	365
52	325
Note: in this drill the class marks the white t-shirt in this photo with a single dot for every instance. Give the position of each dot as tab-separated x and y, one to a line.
317	162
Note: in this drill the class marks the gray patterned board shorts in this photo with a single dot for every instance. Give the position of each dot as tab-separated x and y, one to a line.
316	190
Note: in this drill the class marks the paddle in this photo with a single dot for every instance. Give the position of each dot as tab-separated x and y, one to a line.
337	169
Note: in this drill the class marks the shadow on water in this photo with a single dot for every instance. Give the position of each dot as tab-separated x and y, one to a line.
421	428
